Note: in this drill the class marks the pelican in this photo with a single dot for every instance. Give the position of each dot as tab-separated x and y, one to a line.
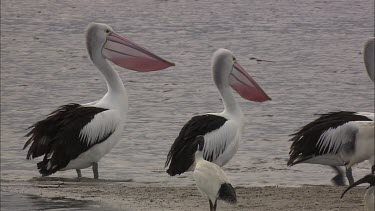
77	136
369	195
210	179
340	138
221	131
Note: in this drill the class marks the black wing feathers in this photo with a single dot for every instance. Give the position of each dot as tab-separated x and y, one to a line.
57	137
181	154
307	137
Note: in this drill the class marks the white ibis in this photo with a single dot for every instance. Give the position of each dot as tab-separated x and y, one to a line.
210	179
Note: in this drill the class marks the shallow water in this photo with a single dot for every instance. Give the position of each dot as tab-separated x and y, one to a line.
316	66
21	202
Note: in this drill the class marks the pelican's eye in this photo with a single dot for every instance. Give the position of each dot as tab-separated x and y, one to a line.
234	59
107	31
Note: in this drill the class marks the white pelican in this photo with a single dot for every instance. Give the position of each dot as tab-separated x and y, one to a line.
221	131
210	179
338	138
77	136
369	197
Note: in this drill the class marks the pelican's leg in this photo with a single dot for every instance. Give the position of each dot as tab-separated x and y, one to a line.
215	205
211	205
349	175
338	180
95	170
79	174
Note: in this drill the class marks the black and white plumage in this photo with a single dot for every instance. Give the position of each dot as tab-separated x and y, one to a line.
334	139
185	158
60	135
77	136
338	138
221	131
369	197
210	179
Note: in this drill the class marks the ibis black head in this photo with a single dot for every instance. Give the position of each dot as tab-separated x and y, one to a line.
370	178
200	142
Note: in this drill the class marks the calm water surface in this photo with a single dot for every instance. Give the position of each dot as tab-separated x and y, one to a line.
315	66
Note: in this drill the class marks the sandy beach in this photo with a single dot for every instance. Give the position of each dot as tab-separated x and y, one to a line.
120	195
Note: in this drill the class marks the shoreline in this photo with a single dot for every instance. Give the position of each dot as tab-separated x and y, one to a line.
127	195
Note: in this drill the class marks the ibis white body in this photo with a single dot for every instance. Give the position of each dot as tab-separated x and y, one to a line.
210	179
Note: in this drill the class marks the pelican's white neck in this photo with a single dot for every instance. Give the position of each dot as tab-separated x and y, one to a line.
116	97
222	83
113	80
230	104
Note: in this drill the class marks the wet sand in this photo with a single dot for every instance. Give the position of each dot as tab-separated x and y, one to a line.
123	195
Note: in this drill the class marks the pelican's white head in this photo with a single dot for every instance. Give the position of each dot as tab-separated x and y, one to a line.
369	57
102	41
227	71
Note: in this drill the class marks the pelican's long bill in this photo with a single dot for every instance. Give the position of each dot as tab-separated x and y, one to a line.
129	55
245	86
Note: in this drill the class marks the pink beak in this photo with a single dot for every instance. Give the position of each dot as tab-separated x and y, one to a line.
245	86
129	55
